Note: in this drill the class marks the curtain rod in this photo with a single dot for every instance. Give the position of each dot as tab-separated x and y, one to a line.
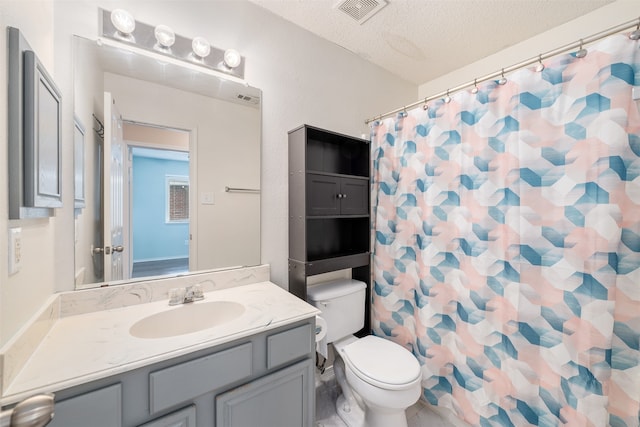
580	43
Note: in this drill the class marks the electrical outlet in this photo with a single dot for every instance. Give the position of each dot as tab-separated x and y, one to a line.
15	250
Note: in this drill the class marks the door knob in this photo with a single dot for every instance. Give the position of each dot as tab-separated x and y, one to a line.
35	411
95	250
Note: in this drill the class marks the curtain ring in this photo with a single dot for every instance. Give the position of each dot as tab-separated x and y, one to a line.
582	52
475	86
503	79
540	65
636	34
425	106
447	98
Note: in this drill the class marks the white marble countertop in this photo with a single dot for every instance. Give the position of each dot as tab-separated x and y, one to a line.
95	345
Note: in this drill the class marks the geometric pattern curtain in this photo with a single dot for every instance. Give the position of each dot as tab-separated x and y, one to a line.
507	243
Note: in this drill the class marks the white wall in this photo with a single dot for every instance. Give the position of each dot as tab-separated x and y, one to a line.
22	294
304	80
599	20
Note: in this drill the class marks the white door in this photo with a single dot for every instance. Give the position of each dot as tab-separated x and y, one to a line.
115	248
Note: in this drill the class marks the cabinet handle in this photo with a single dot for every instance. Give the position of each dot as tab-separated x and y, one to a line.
344	196
339	196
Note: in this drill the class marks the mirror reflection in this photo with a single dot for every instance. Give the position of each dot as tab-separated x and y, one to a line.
171	167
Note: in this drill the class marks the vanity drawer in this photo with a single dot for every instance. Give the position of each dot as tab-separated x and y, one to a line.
182	382
289	345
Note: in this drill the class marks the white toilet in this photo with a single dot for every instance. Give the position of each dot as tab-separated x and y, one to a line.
379	378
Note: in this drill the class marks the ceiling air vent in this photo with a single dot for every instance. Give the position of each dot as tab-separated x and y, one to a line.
360	10
248	98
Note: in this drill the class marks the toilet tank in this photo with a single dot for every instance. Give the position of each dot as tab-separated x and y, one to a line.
342	305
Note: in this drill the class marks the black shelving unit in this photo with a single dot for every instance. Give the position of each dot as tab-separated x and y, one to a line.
329	222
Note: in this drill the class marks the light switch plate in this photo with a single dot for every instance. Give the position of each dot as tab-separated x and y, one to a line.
206	198
15	250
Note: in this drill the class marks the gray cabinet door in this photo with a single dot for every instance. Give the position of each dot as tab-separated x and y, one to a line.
282	399
183	418
99	408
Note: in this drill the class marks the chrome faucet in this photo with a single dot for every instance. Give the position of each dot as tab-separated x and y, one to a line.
185	295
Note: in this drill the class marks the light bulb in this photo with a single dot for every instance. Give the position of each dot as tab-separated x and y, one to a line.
123	21
201	47
232	58
165	36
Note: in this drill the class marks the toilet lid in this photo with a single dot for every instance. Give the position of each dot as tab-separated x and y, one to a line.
381	362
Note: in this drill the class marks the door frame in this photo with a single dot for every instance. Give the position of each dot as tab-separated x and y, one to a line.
192	184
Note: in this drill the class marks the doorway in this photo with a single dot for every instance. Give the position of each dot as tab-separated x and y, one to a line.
159	199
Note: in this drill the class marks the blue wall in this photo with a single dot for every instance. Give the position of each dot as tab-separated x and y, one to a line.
153	238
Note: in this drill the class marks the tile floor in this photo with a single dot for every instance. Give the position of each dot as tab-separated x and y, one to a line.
418	415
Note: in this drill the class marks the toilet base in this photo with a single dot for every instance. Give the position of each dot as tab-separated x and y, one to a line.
352	415
374	417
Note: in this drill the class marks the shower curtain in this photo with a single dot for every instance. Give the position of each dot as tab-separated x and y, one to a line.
507	243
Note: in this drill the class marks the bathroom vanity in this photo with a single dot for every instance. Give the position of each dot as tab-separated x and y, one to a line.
264	379
253	369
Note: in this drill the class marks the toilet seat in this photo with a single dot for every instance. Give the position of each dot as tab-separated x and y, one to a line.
381	363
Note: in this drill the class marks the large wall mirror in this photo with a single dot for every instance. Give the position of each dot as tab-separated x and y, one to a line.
171	172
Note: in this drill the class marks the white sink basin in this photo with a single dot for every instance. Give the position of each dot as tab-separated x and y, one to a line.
186	318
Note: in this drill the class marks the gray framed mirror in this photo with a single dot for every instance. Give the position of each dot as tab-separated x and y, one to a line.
171	167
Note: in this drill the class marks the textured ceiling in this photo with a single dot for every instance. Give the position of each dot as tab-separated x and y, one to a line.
420	40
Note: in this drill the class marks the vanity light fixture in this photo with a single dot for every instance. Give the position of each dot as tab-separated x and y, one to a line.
201	47
123	22
232	58
120	26
164	36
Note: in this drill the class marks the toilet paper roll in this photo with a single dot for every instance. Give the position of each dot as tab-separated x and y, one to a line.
321	336
321	328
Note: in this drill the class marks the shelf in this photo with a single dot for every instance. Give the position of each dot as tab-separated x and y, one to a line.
314	217
326	265
332	152
332	237
329	208
339	175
